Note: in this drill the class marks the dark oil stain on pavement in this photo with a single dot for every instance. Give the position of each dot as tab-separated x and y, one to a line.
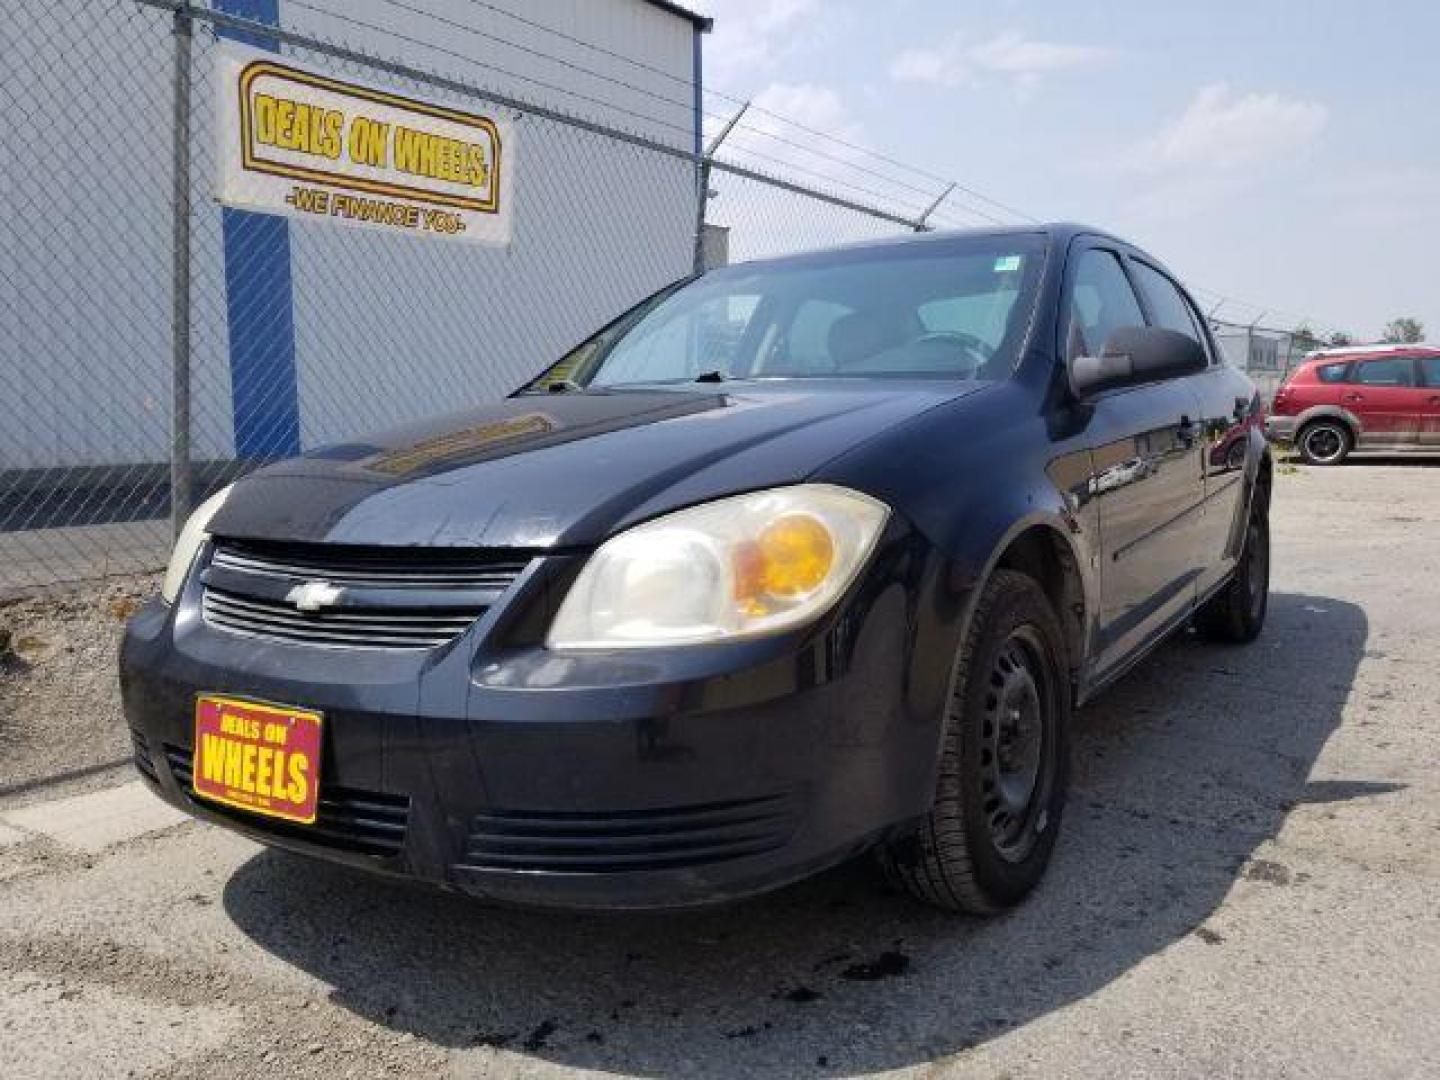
887	965
800	995
537	1039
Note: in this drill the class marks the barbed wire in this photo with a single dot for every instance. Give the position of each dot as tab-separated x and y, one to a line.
853	147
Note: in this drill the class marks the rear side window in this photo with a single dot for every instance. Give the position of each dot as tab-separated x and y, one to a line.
1331	373
1101	302
1392	372
1430	369
1168	307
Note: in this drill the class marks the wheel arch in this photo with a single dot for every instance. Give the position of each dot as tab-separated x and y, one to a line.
1044	548
1328	412
1042	552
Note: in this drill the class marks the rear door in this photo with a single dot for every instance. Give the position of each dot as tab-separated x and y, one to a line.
1226	417
1430	404
1382	392
1146	478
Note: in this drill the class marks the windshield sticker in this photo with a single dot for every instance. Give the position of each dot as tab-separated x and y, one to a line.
1007	264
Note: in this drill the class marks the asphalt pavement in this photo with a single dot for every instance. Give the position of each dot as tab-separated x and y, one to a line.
1247	885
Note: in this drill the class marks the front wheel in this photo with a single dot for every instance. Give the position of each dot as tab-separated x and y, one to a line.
1004	759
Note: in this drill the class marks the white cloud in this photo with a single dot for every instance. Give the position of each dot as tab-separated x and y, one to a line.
953	62
942	66
815	106
1015	54
818	108
1221	146
753	36
1220	130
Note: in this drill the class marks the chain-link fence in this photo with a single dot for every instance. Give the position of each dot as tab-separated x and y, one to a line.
156	343
1267	354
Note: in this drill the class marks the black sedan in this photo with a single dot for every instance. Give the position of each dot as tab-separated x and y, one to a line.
793	560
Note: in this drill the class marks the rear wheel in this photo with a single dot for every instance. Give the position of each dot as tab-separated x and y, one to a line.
1004	760
1324	442
1237	612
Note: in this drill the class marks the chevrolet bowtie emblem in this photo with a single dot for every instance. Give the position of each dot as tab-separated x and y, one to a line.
313	595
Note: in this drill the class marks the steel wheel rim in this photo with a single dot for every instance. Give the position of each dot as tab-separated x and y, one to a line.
1017	745
1324	443
1257	568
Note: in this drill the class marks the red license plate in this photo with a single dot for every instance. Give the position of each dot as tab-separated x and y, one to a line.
258	757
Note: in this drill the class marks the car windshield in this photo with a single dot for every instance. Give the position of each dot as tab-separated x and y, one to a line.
953	309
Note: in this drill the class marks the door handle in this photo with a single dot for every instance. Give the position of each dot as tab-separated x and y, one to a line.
1353	396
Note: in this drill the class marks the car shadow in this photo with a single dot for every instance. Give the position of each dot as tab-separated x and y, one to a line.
1181	772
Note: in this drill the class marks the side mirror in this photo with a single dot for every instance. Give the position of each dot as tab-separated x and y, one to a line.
1134	355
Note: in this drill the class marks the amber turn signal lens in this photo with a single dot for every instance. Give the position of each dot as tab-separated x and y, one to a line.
796	552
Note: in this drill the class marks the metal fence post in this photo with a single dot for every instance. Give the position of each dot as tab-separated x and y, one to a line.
180	467
702	195
922	223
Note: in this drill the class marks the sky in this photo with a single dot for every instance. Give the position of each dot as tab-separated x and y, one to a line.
1284	155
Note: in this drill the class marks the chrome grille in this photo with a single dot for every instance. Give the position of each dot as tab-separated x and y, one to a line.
362	629
403	569
387	599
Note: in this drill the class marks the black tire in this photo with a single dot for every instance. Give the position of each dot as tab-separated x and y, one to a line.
1236	614
1004	762
1324	442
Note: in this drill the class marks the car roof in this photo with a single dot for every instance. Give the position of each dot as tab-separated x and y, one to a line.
1061	232
1341	352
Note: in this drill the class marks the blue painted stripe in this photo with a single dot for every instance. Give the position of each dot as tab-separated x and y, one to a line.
260	304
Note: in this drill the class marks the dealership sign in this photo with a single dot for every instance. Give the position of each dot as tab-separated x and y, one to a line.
298	142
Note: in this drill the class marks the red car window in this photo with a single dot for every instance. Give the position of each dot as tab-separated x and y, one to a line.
1392	371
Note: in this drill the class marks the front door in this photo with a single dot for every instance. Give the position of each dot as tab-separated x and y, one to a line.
1147	474
1430	403
1383	393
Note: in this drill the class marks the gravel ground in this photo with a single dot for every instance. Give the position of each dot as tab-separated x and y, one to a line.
60	724
1246	886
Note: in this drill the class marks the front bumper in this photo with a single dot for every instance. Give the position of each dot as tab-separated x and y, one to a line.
1280	428
615	780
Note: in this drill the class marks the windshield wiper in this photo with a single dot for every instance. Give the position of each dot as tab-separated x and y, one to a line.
712	376
555	386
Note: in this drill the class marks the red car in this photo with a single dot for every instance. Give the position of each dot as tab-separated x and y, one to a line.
1381	397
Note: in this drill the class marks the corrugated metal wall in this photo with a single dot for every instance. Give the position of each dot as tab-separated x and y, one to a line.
377	318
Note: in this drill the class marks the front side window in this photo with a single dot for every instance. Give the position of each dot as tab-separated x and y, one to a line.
953	309
1101	302
1391	372
1430	369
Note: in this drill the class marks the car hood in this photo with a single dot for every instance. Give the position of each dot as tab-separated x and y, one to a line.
561	470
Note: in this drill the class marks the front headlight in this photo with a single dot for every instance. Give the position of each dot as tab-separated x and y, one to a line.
192	536
734	568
